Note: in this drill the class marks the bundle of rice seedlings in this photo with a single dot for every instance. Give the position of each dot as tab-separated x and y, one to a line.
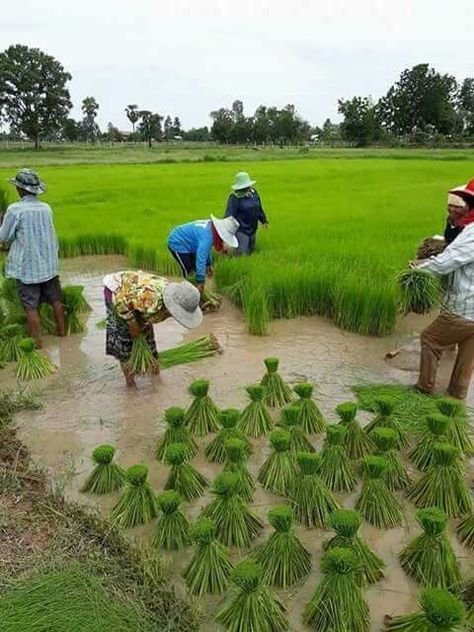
235	524
465	531
336	469
228	419
210	300
429	558
337	603
202	416
203	347
434	430
141	359
291	421
346	523
283	558
376	503
82	304
236	461
46	316
74	304
356	440
172	528
278	471
440	612
183	478
137	505
420	291
255	420
277	392
442	485
210	567
176	432
386	419
107	476
10	338
312	500
312	420
31	364
252	607
458	431
396	477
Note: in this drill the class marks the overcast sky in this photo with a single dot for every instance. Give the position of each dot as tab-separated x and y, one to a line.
188	58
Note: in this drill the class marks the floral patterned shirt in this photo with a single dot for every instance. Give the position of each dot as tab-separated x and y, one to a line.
140	292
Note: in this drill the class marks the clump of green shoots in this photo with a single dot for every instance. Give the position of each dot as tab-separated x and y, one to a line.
172	528
255	420
312	420
420	291
458	431
465	531
278	471
440	612
336	469
202	416
176	432
434	430
386	419
228	420
106	477
142	360
277	392
236	462
396	477
376	503
137	505
182	477
356	440
291	421
32	365
74	305
10	338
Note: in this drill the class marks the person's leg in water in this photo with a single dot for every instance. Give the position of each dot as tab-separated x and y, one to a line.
34	326
244	247
30	296
51	293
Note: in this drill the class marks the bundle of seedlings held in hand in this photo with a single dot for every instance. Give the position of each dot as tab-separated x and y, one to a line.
396	476
279	470
465	531
203	347
202	416
210	567
420	291
10	338
172	528
385	418
312	420
183	478
142	360
291	421
356	440
228	420
336	469
255	420
106	477
31	364
376	503
458	430
176	432
433	430
137	505
236	461
440	612
252	607
277	392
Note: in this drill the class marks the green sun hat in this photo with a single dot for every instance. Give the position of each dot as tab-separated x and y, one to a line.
242	181
28	180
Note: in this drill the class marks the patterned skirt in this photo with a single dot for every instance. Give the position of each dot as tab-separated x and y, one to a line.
118	339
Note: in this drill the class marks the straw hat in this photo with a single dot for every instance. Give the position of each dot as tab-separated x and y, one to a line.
464	190
242	181
455	200
182	301
28	180
226	229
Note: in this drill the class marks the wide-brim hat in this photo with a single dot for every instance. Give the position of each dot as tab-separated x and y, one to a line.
226	229
182	301
242	181
28	180
464	190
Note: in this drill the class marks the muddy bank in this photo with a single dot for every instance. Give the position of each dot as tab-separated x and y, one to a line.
86	403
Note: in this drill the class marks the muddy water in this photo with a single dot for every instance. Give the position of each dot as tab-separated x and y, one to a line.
86	403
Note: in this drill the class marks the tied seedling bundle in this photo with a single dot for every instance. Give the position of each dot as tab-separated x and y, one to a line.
252	607
235	524
356	440
141	359
336	469
183	478
458	431
107	476
386	419
228	419
283	558
337	603
396	477
202	416
236	461
376	503
420	291
31	364
429	558
465	531
442	484
277	392
210	300
279	470
74	305
434	430
346	523
176	432
291	421
440	612
312	420
210	567
312	500
203	347
255	420
137	505
172	528
10	338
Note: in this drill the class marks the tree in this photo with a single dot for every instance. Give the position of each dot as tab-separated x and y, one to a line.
222	126
177	131
71	130
465	109
34	99
90	128
168	128
197	134
150	126
132	114
360	124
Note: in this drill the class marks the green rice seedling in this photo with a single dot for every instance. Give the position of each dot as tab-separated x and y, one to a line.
203	347
458	431
236	461
228	419
74	303
429	558
46	316
283	558
137	505
336	469
465	531
141	359
346	523
291	421
442	485
176	432
312	420
182	477
10	338
209	568
255	420
440	612
82	304
101	324
376	503
434	430
311	499
235	524
106	477
202	416
252	607
277	392
31	364
420	291
337	603
396	477
386	419
278	471
356	440
172	528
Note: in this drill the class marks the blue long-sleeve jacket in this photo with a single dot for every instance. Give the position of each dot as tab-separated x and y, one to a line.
194	238
247	210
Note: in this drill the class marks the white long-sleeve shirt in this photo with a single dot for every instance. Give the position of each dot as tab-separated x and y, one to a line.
457	264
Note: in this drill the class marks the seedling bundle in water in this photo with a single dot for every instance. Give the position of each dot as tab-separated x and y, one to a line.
283	558
202	416
277	392
312	420
386	419
176	432
385	440
210	567
203	347
336	469
172	528
74	305
458	430
356	441
137	505
183	478
291	421
278	471
376	503
107	476
440	612
31	364
236	461
228	419
465	530
434	430
141	359
255	420
10	338
420	291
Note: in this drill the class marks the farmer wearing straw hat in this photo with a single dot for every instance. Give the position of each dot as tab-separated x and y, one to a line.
245	205
28	231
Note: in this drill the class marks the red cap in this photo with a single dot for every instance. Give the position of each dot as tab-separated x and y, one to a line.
464	190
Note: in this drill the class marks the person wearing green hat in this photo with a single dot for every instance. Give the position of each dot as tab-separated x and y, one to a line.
245	205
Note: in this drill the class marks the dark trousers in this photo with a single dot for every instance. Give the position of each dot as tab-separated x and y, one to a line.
246	243
186	261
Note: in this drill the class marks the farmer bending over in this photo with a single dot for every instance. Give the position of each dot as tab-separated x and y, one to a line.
28	231
134	302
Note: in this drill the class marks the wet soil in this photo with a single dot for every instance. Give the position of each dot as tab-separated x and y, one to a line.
86	403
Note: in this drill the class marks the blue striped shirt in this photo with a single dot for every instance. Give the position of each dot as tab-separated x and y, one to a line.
29	231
